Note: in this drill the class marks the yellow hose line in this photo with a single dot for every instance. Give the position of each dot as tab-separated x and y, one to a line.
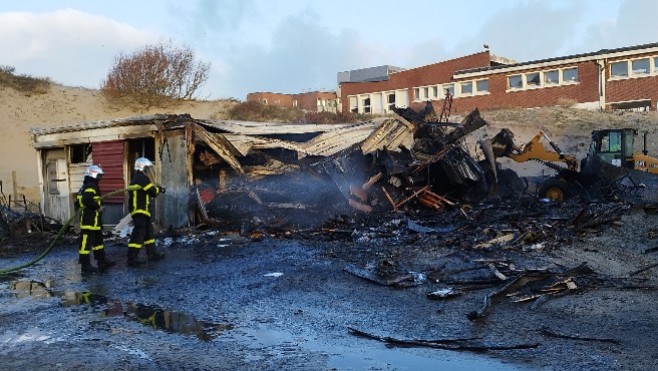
59	235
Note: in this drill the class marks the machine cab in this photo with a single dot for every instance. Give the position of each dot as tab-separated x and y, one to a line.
614	146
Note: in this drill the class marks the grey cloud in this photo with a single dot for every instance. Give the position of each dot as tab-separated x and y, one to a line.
530	31
303	56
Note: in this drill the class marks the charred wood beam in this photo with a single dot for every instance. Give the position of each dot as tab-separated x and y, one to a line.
220	145
518	281
548	332
446	344
643	269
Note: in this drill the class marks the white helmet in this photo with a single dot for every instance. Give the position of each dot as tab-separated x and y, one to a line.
142	163
94	171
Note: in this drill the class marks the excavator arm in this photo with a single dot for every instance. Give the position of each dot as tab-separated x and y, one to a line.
503	146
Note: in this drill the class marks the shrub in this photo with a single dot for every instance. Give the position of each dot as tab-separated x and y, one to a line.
256	111
155	74
23	83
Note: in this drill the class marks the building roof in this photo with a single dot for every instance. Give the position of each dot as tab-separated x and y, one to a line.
590	55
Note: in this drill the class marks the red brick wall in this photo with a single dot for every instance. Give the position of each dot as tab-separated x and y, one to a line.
586	90
273	99
309	101
426	75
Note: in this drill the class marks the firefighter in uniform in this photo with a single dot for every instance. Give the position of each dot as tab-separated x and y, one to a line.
91	225
139	202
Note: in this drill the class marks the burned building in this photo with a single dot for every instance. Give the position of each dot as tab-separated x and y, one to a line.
235	172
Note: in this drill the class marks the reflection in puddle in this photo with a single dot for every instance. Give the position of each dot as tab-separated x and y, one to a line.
149	315
35	289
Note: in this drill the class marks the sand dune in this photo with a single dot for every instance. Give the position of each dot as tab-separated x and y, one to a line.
61	106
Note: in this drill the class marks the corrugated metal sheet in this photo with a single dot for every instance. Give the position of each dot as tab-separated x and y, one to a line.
96	124
390	134
269	128
77	176
110	157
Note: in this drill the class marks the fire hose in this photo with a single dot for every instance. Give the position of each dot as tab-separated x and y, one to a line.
64	228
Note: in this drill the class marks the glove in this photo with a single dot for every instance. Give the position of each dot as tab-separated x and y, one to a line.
163	190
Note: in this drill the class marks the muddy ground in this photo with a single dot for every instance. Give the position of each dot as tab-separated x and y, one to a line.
288	300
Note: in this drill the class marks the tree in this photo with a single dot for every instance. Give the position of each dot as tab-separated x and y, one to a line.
155	74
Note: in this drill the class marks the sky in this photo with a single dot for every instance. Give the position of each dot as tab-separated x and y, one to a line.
293	46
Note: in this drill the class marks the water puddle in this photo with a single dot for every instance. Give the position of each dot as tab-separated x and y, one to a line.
154	316
364	354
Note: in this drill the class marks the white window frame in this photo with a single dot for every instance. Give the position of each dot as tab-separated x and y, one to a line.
542	79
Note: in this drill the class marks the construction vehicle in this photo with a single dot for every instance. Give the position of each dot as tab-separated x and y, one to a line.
610	160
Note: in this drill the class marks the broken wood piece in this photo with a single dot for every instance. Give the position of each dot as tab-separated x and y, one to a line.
359	206
389	198
444	293
373	179
358	193
411	197
398	280
644	269
540	300
446	344
548	332
518	281
496	241
497	273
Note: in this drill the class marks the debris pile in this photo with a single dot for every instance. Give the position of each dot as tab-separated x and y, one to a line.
22	218
295	177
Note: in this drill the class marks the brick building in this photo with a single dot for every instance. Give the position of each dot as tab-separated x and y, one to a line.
623	78
315	101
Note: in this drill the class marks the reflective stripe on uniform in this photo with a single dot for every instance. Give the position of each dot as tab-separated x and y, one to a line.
83	245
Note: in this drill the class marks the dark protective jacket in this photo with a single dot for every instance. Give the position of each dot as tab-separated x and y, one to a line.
139	199
89	200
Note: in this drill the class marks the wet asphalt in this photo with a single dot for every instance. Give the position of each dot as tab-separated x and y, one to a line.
218	302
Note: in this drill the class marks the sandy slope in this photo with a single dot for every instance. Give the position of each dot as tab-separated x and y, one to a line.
61	106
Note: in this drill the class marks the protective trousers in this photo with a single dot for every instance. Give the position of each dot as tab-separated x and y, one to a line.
91	240
142	235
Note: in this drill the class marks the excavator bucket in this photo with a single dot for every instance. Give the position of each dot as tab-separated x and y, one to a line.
503	143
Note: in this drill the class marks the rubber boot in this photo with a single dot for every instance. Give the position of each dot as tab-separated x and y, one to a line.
132	257
103	263
87	268
152	254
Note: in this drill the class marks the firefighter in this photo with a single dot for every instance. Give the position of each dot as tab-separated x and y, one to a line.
139	201
91	225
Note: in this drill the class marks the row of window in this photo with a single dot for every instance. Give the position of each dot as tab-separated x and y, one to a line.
539	79
634	68
460	89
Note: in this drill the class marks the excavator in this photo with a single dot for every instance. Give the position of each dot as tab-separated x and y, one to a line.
610	159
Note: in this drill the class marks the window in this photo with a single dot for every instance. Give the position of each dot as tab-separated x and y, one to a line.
551	77
294	103
619	69
417	93
435	91
353	105
366	105
655	65
449	89
426	92
515	81
80	153
570	74
264	101
391	101
482	86
532	79
640	66
466	88
277	101
611	142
